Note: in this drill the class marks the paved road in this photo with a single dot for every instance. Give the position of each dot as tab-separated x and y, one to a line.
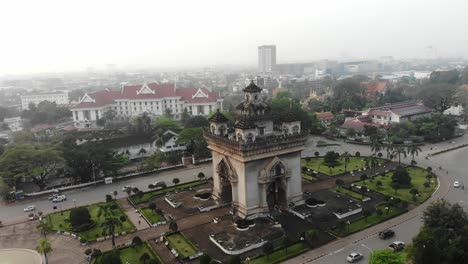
366	241
14	212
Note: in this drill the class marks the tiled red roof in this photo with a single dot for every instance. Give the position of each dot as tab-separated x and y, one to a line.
407	108
323	116
358	123
106	97
380	112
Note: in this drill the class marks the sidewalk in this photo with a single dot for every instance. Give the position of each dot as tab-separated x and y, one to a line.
133	215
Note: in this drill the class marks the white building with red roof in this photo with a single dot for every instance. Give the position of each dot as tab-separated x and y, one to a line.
152	98
397	112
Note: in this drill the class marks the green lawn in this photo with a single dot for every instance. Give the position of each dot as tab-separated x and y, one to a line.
309	178
58	222
281	255
316	164
350	193
151	215
132	254
418	177
148	195
373	219
182	245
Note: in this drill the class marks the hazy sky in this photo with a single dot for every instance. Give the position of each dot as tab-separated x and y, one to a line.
42	36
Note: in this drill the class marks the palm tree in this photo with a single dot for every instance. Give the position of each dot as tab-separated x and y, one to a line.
307	159
44	227
413	149
371	161
389	148
104	210
144	257
44	248
398	151
286	242
376	146
346	157
316	154
366	213
109	225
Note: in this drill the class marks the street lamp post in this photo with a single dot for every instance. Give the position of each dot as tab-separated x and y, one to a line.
74	202
94	176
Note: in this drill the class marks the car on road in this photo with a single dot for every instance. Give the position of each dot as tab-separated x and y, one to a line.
456	184
59	198
124	189
388	233
397	246
29	208
160	184
353	257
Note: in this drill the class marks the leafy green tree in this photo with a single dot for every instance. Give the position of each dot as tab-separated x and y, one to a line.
38	164
105	210
378	184
175	181
443	237
350	132
80	216
330	158
401	176
194	142
311	236
144	257
173	226
363	177
386	256
44	248
339	183
196	121
153	162
440	96
112	257
283	103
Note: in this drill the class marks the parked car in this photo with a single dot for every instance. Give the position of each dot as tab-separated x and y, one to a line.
353	257
386	234
29	208
397	246
456	184
59	198
160	184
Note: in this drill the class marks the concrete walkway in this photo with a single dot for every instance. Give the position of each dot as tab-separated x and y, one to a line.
138	221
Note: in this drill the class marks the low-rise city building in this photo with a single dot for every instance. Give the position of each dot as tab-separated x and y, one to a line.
397	112
154	99
59	97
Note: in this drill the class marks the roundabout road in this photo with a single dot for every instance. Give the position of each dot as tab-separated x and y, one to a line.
406	226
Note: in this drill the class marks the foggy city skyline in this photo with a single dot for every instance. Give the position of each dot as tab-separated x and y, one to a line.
54	36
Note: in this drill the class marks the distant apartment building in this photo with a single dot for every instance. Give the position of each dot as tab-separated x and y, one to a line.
153	99
266	58
60	98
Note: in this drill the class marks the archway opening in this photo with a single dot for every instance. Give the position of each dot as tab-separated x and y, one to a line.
276	194
226	188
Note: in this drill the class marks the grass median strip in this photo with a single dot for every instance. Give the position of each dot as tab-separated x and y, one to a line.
148	195
182	245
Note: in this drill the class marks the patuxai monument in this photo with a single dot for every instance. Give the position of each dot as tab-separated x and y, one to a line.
256	163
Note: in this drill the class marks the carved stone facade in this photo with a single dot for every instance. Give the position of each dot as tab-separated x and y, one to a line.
256	168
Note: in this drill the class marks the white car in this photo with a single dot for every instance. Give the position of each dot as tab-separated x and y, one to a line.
124	189
353	257
29	208
59	198
456	184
